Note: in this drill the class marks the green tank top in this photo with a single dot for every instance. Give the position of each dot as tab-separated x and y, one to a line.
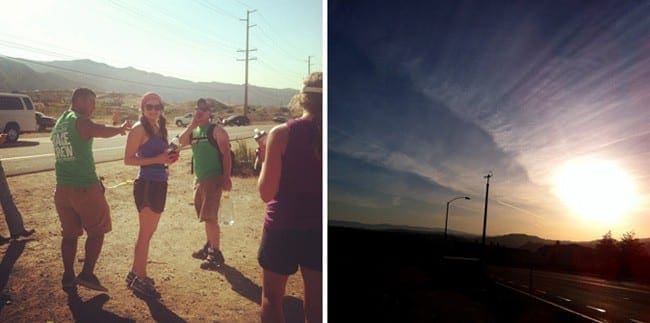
206	158
74	165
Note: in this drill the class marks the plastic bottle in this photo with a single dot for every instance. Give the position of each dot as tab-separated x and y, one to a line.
174	145
226	209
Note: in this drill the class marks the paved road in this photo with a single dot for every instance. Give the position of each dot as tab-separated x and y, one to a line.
35	154
599	299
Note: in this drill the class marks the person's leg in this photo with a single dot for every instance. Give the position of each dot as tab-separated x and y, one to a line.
68	254
211	195
313	281
148	224
93	247
273	289
198	206
96	220
70	232
213	234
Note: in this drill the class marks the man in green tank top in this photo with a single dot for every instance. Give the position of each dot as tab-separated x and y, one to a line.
212	170
79	195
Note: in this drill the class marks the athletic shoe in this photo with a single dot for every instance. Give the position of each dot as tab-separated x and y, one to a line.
143	288
68	283
90	281
132	275
201	253
213	261
24	234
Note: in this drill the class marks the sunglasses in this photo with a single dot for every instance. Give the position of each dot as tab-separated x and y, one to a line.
157	107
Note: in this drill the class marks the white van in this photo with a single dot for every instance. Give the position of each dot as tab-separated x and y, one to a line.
16	115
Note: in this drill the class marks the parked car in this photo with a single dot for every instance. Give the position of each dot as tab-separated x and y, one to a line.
16	115
236	120
187	119
183	121
44	122
280	119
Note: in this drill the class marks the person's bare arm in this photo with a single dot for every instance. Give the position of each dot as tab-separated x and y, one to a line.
185	136
221	136
88	129
136	138
269	181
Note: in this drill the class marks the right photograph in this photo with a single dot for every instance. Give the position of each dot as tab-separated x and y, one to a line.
488	161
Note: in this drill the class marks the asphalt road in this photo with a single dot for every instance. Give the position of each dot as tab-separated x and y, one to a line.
34	154
597	299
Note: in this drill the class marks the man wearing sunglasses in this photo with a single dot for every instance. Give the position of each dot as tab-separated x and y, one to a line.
211	165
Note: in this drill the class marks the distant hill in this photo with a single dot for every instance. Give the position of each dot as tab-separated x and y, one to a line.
20	77
513	240
23	75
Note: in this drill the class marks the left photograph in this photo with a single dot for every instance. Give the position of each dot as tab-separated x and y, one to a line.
162	161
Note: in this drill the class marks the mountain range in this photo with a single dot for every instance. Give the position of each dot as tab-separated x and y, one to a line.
17	74
512	240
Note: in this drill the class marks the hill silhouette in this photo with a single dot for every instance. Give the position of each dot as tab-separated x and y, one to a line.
512	240
17	74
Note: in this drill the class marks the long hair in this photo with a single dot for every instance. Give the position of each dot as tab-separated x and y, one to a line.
148	128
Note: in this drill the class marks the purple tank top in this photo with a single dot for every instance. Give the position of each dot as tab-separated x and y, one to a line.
298	203
153	147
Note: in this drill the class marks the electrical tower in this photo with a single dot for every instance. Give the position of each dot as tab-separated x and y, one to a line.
309	64
248	27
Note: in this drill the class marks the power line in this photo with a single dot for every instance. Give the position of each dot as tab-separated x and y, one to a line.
286	73
273	45
173	22
272	30
189	28
216	9
107	77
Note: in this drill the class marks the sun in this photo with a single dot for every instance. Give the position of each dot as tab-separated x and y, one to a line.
596	189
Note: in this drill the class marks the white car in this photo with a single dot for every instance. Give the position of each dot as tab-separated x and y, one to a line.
16	115
183	121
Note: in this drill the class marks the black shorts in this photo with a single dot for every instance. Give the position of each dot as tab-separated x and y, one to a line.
282	251
152	194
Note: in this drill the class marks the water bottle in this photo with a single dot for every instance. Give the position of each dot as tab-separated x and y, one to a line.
174	146
226	209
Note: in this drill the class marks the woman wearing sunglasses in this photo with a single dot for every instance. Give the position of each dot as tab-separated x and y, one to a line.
147	147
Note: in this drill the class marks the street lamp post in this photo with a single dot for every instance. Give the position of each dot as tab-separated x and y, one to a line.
447	212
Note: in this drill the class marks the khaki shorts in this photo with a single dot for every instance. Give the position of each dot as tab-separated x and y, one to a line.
207	195
82	208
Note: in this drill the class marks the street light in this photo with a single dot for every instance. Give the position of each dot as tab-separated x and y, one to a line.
447	212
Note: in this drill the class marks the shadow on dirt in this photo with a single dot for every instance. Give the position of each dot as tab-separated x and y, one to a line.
293	307
12	254
160	312
92	309
241	284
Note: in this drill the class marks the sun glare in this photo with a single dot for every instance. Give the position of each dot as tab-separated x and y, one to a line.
596	190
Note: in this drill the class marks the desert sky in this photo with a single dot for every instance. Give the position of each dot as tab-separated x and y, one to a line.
427	97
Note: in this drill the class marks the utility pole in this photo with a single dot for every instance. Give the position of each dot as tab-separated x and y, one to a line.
248	27
487	188
309	64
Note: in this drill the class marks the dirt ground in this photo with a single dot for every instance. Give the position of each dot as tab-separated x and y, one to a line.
30	271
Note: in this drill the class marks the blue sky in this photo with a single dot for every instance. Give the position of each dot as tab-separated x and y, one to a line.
551	96
196	40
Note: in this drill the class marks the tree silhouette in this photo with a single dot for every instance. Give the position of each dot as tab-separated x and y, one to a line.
607	256
633	256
